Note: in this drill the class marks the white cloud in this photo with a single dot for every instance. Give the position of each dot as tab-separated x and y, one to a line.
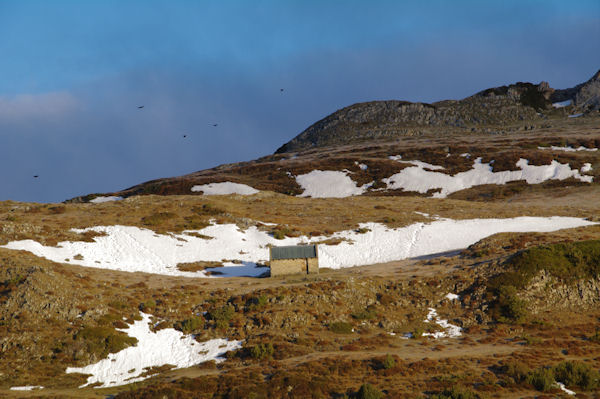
24	107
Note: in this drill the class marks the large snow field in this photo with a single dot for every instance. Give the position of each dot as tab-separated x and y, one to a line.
328	184
417	178
135	249
166	346
224	188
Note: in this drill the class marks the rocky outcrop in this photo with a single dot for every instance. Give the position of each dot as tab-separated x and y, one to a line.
514	105
588	96
585	96
546	292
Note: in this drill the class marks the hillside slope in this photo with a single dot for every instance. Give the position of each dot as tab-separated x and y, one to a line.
363	147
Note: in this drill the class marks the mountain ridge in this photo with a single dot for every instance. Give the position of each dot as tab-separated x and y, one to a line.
502	124
503	105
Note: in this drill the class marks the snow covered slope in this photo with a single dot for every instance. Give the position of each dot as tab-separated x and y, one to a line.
135	249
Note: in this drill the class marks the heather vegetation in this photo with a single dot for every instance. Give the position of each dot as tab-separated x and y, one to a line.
573	374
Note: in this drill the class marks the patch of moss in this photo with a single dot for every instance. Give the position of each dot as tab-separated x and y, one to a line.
341	327
156	219
101	341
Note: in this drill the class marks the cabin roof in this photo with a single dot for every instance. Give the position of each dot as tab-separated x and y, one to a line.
294	252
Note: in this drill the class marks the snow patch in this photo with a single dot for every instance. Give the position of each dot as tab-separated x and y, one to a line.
587	167
420	164
26	388
136	249
99	200
451	331
562	104
420	180
575	115
328	184
362	166
452	297
224	188
568	149
564	389
166	346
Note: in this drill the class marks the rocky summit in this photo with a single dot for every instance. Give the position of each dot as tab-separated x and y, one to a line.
499	109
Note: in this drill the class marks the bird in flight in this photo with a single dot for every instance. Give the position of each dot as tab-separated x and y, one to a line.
281	90
185	135
35	176
140	106
216	124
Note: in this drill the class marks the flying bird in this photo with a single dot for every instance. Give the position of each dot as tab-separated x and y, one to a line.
35	176
281	90
140	107
185	135
216	124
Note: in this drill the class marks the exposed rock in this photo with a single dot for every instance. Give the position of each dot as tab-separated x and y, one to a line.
502	105
585	96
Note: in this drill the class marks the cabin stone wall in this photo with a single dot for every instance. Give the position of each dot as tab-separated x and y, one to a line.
281	267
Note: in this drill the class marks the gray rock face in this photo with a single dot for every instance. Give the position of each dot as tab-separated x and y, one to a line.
585	96
515	104
588	96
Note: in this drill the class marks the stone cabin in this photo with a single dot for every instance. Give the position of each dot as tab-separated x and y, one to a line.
296	259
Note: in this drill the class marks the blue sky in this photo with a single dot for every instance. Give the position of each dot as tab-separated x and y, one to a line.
74	72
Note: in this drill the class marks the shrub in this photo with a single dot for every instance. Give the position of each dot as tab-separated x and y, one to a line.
367	314
508	307
595	337
341	327
207	210
368	391
280	232
385	299
222	316
577	374
262	351
529	340
517	371
455	392
190	325
542	379
389	362
417	333
256	302
148	305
